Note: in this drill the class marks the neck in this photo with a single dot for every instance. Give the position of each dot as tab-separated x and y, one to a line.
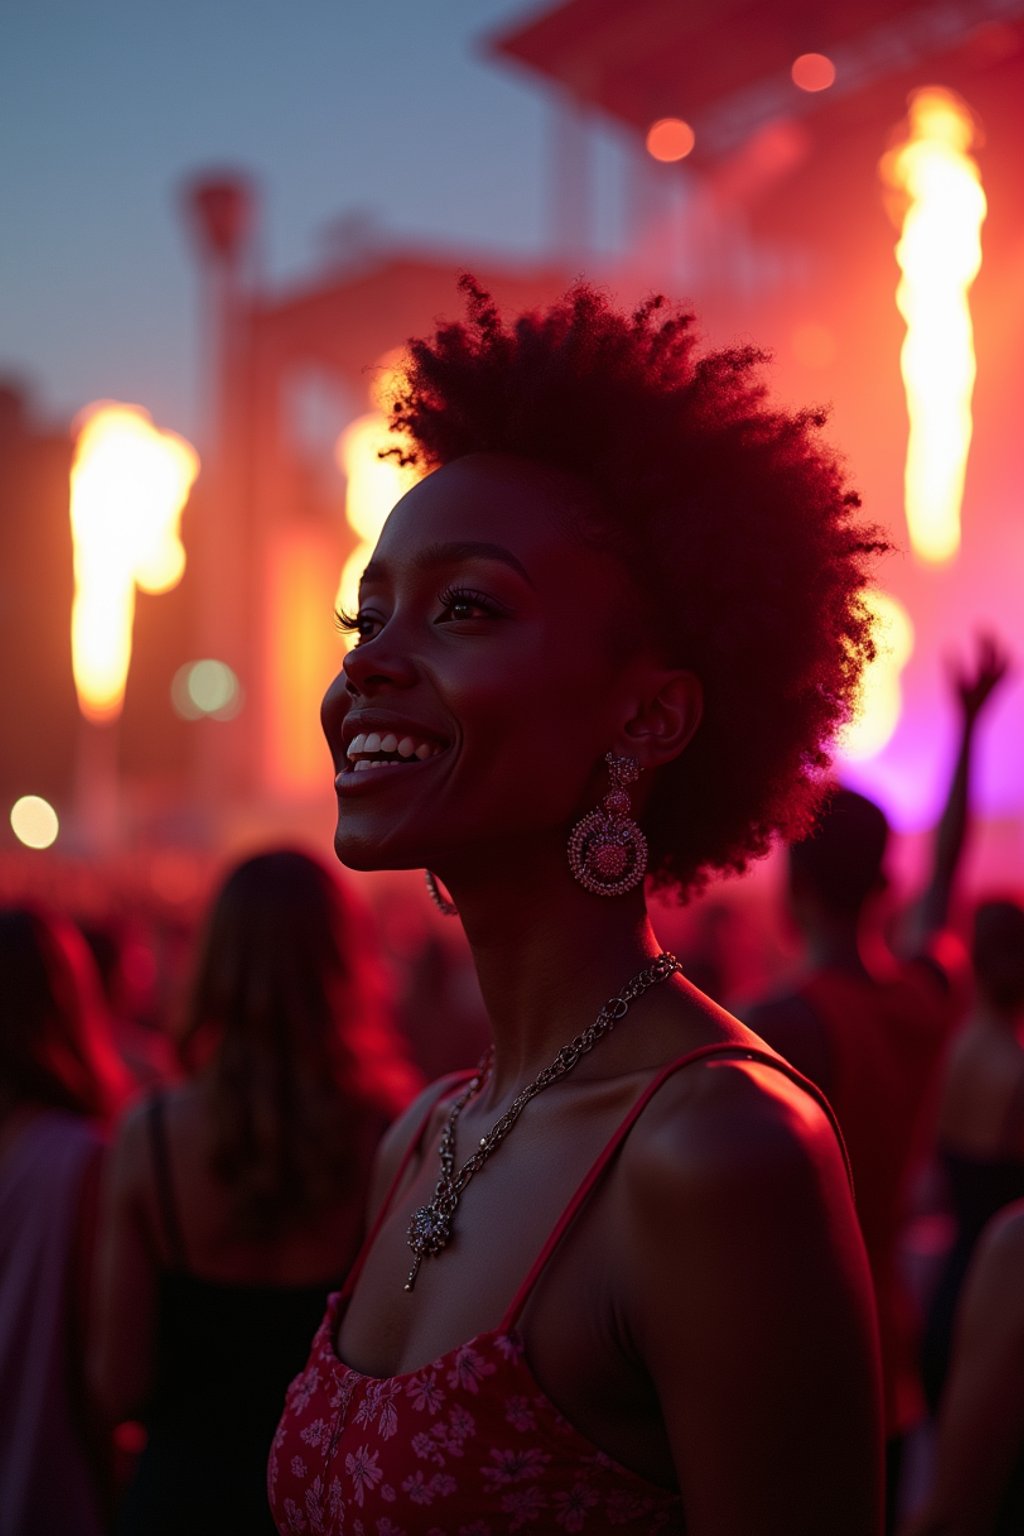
834	943
548	955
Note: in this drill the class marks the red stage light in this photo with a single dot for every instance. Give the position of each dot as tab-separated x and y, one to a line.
670	139
813	72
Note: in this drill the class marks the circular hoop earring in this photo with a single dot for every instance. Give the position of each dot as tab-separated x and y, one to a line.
441	902
607	850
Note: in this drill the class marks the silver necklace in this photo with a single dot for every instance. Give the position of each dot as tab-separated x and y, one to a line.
430	1229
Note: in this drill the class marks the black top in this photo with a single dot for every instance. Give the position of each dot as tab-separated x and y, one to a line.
225	1354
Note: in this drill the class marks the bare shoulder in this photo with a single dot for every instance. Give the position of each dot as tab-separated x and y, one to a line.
995	1291
735	1125
735	1160
131	1154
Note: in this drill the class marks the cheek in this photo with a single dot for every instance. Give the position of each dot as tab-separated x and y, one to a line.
533	736
333	707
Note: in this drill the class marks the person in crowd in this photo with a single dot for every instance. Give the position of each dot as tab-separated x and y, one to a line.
120	956
871	1029
978	1487
981	1114
235	1200
614	1279
60	1085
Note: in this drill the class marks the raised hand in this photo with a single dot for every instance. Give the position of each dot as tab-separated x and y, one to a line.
974	683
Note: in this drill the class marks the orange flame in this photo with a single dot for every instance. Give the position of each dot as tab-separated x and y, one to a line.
939	253
372	484
129	485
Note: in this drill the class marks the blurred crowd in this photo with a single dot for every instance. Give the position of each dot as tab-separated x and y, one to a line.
190	1104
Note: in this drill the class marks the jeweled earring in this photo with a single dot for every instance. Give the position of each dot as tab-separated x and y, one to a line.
442	903
607	850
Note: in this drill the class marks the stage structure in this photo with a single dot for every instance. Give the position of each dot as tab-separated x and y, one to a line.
761	131
796	139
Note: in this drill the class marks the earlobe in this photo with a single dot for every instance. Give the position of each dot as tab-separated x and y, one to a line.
667	719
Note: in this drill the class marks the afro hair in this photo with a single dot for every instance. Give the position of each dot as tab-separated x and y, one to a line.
732	518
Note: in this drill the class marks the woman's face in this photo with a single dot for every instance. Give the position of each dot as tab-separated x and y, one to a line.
497	661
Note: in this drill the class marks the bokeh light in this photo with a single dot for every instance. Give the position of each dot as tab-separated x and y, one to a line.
813	72
34	822
670	138
206	689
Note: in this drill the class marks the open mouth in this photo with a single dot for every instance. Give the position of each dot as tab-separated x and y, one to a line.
374	749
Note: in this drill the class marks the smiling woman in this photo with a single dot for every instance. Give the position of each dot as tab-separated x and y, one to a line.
612	631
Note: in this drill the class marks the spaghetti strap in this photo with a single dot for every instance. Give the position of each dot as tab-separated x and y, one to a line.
454	1080
170	1220
703	1053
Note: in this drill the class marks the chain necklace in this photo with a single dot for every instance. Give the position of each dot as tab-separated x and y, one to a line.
430	1229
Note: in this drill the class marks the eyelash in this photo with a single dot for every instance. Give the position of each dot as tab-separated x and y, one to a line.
349	623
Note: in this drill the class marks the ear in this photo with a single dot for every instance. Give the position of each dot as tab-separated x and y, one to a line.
664	719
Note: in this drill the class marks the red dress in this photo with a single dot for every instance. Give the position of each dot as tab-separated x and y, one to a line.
469	1445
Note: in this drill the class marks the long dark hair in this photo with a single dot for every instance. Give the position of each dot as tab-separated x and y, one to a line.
56	1045
285	1024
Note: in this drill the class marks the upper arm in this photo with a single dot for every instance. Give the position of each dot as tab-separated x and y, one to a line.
754	1314
981	1424
126	1274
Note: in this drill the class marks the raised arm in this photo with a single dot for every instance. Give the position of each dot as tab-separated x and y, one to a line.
972	686
752	1309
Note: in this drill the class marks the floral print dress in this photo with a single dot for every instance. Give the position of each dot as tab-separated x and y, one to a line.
468	1445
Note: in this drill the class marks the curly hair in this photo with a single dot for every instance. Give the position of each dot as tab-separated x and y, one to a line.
732	518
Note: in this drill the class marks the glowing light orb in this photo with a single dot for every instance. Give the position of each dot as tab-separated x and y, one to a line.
938	192
372	484
880	697
129	485
670	138
813	72
206	688
34	822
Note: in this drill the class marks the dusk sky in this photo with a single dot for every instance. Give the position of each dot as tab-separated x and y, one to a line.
389	109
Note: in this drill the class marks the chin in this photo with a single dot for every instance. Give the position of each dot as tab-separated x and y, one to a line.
360	854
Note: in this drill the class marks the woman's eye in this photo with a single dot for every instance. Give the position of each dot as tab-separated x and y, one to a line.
459	603
362	624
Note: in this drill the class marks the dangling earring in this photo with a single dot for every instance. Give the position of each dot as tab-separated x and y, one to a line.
442	903
607	850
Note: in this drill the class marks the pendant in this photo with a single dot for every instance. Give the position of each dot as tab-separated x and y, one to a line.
428	1232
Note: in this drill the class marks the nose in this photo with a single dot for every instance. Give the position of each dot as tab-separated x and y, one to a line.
377	664
368	670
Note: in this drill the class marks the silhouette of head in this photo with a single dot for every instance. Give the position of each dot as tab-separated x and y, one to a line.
842	862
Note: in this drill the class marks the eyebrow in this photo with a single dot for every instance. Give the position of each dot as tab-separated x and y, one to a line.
452	554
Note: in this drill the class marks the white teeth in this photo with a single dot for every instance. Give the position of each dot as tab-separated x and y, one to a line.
373	749
362	765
